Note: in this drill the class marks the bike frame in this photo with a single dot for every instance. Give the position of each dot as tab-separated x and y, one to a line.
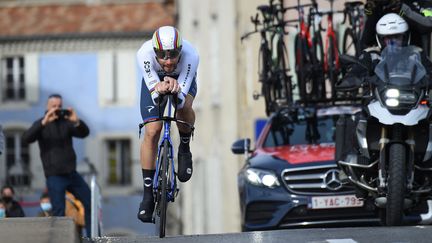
331	33
166	137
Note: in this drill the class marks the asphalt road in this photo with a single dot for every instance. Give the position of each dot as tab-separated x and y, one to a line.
404	234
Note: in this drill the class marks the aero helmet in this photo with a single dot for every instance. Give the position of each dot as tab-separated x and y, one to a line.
389	26
167	42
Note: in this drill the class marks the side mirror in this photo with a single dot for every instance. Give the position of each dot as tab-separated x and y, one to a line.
241	146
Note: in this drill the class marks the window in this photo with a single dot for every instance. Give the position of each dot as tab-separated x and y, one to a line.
13	80
119	161
17	159
19	79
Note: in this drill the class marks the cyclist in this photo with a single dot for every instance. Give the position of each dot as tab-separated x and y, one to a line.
391	30
168	65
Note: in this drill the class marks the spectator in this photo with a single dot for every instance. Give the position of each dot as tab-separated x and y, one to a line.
75	210
45	204
13	208
54	133
2	209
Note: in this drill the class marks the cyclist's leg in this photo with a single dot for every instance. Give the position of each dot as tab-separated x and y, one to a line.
148	153
187	114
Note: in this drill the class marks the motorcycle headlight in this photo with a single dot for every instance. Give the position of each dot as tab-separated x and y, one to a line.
261	178
394	97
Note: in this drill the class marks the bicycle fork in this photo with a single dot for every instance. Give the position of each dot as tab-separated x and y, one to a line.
172	184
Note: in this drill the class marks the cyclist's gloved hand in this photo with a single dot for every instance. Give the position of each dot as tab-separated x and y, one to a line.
172	86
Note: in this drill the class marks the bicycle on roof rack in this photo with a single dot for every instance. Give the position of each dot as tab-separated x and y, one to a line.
332	66
354	13
309	54
273	63
165	183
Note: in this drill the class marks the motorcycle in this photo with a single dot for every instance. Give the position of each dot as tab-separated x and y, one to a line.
386	150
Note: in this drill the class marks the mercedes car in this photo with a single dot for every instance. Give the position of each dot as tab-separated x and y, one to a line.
291	179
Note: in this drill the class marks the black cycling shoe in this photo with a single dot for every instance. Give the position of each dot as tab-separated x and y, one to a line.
184	166
145	213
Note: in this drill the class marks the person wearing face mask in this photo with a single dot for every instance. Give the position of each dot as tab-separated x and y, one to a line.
2	209
45	204
54	133
13	208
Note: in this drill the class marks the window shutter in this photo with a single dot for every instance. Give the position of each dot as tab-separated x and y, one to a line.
105	78
126	77
31	77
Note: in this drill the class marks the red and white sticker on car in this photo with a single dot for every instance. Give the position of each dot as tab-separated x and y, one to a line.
326	202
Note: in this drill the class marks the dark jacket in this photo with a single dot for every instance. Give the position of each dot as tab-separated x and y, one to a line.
14	209
55	144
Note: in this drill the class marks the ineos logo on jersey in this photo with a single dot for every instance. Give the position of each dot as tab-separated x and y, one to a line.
147	68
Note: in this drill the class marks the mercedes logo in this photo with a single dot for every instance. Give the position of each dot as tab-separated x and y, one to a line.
331	180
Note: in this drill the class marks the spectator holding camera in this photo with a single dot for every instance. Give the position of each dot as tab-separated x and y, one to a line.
54	133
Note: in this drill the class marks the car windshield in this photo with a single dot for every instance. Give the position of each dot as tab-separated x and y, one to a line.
306	129
400	66
311	131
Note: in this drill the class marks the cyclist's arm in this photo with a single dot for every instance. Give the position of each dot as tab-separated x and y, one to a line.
145	63
188	73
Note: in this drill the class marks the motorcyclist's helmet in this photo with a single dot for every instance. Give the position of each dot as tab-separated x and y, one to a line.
167	42
392	29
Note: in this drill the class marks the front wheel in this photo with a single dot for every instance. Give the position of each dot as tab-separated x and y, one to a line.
162	202
396	184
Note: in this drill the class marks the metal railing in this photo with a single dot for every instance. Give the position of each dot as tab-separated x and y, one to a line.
96	208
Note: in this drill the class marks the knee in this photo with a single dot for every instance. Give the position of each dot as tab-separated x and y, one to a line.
152	133
185	110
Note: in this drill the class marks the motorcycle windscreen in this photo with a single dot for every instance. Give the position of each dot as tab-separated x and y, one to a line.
400	66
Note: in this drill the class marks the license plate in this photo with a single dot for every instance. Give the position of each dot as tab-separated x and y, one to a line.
345	201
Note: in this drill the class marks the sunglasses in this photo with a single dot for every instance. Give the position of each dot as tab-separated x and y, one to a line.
167	54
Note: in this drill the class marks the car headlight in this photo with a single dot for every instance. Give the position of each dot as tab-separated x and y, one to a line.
394	97
261	178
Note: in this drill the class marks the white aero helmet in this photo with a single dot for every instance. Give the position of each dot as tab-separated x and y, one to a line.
390	25
166	38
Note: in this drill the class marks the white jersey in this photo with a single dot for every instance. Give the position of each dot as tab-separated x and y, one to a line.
152	72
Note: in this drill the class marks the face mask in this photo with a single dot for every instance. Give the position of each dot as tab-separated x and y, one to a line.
7	199
394	42
2	213
46	206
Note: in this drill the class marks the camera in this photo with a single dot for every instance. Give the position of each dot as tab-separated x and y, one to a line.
61	113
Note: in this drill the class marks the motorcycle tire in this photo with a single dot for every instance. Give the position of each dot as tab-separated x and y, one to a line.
396	184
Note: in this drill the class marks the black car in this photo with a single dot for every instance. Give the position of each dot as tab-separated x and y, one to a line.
291	178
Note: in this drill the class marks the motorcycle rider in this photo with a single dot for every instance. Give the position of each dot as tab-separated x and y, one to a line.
391	30
375	9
